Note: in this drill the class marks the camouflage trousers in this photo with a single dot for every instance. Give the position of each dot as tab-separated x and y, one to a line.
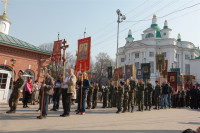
89	101
105	101
157	101
140	102
13	101
94	102
119	102
131	100
148	99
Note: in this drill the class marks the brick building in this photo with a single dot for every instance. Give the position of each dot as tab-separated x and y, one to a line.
29	58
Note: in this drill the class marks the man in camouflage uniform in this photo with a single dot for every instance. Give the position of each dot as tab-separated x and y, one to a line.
95	95
148	95
14	97
120	96
89	95
111	94
157	95
105	96
131	95
126	96
140	96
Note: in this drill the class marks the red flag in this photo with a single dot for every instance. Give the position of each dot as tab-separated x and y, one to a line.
56	54
83	58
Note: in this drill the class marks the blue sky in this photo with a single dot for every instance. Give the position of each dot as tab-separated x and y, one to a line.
39	21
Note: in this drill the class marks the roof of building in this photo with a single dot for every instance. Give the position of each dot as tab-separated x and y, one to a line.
197	57
6	39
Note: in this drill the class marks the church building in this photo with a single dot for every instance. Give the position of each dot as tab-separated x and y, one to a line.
16	55
155	40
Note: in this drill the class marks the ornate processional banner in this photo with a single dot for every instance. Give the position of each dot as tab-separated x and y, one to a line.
173	79
139	74
160	62
179	74
146	70
56	54
83	57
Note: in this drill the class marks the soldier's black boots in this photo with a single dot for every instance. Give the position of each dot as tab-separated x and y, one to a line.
119	111
132	108
124	111
149	108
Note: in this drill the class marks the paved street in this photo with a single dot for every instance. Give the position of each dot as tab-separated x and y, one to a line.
162	121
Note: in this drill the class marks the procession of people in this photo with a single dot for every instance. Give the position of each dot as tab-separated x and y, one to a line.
124	95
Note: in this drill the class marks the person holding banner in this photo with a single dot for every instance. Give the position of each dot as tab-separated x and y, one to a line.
120	96
126	96
68	88
47	86
131	95
140	96
84	86
148	95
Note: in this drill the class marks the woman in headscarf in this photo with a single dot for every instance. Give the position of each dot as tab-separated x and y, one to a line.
28	90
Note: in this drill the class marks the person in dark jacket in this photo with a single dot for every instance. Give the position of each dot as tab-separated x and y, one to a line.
193	97
46	87
82	101
164	96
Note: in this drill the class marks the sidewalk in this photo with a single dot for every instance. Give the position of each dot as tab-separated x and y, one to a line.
162	121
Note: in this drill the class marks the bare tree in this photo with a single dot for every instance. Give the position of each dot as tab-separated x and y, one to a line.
47	46
103	60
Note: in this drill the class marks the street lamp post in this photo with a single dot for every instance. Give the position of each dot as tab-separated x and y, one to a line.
120	19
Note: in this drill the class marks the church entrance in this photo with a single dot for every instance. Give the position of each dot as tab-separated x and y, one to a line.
5	85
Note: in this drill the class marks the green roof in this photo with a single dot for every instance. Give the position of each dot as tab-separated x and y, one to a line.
130	36
179	40
165	27
6	39
155	26
197	57
158	35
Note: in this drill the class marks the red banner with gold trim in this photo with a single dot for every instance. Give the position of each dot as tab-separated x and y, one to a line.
83	57
56	54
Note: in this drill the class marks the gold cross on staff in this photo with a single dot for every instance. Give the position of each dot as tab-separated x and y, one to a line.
6	3
64	56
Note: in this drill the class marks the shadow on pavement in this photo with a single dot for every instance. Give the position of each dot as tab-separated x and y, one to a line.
99	131
193	123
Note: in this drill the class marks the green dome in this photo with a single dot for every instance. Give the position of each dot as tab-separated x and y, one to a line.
179	40
130	36
165	27
155	26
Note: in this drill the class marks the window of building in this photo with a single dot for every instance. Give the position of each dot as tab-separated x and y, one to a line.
176	56
152	66
187	69
122	59
187	57
151	54
3	80
137	65
137	55
149	35
164	34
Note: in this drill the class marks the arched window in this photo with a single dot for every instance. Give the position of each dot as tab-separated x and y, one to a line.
149	35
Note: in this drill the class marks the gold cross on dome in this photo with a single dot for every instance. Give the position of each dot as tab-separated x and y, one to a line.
6	3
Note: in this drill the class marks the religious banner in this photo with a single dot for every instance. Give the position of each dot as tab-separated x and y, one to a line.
128	71
94	77
189	81
139	74
160	62
83	57
103	80
120	71
116	74
56	54
173	79
164	72
110	72
179	74
146	70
